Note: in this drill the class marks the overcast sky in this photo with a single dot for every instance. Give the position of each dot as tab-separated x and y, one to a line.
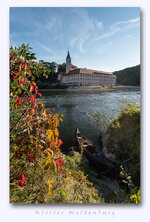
105	39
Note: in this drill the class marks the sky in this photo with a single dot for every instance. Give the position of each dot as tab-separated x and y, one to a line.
100	38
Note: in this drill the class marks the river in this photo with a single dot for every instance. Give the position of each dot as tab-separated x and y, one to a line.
75	106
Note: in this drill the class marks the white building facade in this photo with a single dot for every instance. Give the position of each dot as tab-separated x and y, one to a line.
85	77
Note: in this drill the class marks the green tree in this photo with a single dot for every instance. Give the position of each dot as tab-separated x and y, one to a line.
51	72
62	67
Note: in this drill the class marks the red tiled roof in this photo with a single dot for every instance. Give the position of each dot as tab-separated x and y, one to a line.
73	67
86	71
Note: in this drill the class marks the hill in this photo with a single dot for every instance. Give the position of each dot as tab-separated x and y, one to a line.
129	76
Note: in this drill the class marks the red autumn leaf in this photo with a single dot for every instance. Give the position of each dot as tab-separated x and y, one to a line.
33	99
60	143
64	175
18	101
15	75
31	88
28	99
59	162
21	180
39	94
30	157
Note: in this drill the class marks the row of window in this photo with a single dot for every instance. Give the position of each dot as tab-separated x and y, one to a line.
84	77
98	82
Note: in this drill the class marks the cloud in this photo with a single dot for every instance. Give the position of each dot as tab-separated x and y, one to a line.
129	36
81	45
53	23
83	29
46	48
53	54
100	25
118	27
73	41
123	25
105	35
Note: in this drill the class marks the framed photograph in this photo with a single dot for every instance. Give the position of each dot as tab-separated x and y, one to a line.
75	77
75	105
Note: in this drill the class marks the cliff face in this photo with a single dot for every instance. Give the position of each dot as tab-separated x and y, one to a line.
121	139
129	76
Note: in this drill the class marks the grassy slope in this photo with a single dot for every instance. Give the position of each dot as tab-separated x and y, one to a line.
122	139
77	183
70	185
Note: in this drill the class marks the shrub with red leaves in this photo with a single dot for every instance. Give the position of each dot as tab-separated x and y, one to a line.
21	180
59	162
30	157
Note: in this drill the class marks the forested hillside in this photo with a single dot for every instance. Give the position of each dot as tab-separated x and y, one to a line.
129	76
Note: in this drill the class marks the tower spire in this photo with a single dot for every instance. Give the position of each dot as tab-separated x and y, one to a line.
68	55
68	62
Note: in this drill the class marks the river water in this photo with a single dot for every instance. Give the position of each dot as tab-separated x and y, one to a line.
75	106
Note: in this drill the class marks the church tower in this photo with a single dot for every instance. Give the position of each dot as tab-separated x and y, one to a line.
68	63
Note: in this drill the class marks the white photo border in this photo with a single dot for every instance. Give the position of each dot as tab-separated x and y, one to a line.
74	212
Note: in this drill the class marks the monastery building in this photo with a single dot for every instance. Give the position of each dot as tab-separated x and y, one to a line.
85	77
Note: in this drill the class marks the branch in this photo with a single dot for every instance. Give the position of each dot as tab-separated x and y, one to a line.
12	129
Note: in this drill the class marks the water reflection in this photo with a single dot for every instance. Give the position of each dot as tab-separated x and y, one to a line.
75	105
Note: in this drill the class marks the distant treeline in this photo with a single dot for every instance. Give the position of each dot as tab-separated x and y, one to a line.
129	76
49	80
